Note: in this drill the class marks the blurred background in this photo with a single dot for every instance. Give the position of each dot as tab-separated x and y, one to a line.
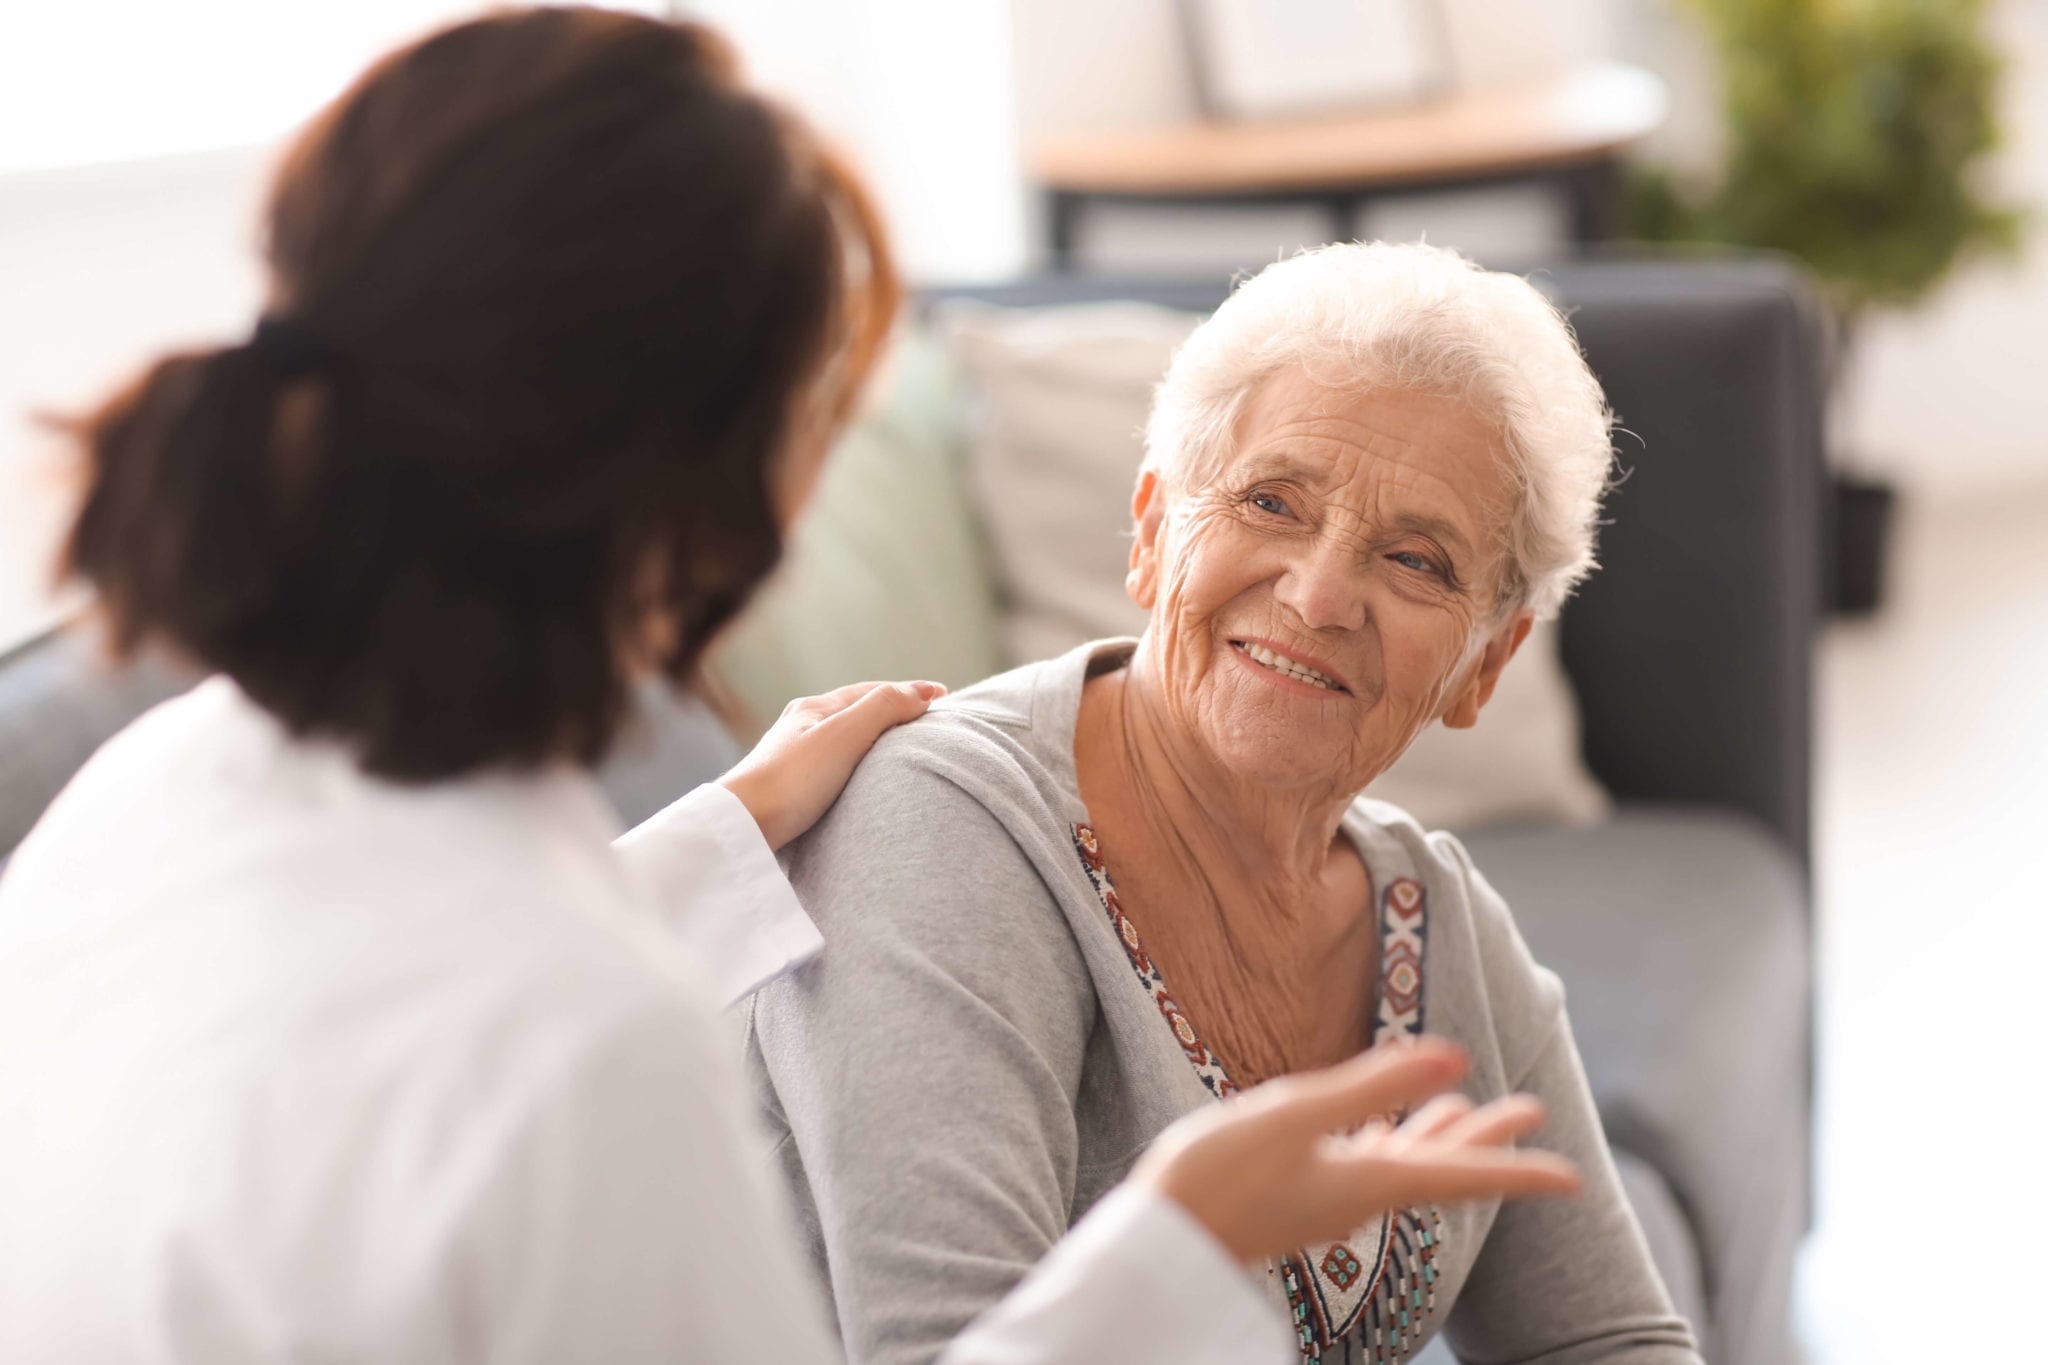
1883	163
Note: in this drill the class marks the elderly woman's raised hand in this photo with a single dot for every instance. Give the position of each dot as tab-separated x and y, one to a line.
1310	1157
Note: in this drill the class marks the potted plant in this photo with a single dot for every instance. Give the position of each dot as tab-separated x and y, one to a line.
1857	131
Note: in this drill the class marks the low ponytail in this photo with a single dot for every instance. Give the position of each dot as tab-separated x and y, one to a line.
184	505
561	303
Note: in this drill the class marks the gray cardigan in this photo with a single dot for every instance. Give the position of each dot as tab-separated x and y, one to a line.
984	1049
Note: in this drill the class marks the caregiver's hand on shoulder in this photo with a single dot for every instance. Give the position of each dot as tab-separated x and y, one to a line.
798	769
1280	1167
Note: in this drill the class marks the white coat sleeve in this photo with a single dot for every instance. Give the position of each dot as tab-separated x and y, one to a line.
1136	1280
714	884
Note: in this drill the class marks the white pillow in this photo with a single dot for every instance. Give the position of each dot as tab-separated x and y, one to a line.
1059	398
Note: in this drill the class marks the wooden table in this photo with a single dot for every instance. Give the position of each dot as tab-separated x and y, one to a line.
1568	131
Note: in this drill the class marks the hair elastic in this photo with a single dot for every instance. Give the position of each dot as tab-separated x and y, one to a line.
290	348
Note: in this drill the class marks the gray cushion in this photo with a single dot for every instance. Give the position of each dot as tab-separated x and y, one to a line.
1680	936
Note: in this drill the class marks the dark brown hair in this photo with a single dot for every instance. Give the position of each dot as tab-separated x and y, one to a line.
553	295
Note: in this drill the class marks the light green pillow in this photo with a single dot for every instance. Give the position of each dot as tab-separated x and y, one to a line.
886	575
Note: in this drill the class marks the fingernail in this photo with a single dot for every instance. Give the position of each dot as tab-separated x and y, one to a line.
930	691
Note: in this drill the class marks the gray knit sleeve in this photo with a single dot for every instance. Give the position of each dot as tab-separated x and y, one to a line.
922	1072
1558	1281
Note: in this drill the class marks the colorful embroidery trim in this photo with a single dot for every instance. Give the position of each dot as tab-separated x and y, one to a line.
1204	1062
1340	1301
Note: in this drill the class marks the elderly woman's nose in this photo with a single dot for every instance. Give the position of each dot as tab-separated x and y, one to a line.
1326	591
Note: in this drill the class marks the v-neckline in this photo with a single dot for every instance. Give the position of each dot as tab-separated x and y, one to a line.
1332	1290
1397	978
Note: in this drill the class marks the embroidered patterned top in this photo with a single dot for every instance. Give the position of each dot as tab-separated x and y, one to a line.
1368	1297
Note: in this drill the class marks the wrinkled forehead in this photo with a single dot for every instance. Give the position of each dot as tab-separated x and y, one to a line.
1373	450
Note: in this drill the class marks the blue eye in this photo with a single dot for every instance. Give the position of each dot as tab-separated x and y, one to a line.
1270	502
1408	559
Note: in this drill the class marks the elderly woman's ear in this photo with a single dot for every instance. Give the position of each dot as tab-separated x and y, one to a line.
1477	687
1148	509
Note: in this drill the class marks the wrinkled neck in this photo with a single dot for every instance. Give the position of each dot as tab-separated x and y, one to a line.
1256	912
1258	856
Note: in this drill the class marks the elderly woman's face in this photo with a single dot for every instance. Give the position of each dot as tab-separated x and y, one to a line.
1332	589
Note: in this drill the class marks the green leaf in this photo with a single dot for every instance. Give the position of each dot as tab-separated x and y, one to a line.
1858	132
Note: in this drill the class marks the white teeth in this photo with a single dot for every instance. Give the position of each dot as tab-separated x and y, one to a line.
1280	663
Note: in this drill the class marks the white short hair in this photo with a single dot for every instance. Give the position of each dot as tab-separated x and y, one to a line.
1378	315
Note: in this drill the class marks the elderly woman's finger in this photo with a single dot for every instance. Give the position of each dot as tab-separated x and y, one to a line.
1478	1173
1376	1082
1428	1122
1487	1173
1369	1183
1495	1124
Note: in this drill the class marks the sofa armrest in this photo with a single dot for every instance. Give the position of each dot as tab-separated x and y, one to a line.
1681	936
60	699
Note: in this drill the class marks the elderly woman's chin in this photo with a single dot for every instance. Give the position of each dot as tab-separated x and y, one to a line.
1273	717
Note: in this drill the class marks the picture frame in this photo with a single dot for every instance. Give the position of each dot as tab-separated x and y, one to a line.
1273	59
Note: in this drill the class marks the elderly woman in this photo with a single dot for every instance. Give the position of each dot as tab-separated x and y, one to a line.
1082	899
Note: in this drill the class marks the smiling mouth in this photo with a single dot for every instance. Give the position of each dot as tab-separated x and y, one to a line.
1275	662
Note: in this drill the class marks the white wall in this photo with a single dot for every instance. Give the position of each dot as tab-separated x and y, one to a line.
919	90
101	267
